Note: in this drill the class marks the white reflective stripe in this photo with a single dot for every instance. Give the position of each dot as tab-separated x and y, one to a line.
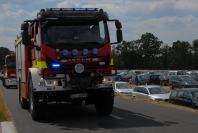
116	117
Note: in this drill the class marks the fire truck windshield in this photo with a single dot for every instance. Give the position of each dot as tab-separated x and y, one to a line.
77	33
10	63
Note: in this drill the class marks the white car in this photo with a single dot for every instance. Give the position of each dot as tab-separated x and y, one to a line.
123	88
153	92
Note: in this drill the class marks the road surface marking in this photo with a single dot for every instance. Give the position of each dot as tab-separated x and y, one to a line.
8	127
116	117
0	128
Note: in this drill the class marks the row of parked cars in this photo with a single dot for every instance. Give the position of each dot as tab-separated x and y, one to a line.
153	92
176	79
186	96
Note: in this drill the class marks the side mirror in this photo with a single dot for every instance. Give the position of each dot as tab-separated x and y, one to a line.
119	35
24	33
118	24
24	26
24	38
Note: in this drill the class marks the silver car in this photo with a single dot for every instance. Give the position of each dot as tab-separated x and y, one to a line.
123	88
153	92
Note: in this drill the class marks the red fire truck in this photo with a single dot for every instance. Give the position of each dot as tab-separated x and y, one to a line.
9	71
64	54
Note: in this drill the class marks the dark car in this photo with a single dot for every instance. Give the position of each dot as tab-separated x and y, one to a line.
129	76
185	96
158	79
142	79
182	81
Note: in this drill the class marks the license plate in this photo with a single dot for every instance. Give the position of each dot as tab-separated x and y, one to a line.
81	95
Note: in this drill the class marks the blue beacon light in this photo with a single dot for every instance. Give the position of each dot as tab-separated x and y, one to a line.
74	52
85	52
56	65
95	51
65	52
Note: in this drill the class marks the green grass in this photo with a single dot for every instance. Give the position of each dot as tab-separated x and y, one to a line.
162	103
4	113
2	116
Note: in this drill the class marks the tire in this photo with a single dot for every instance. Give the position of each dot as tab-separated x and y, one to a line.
22	101
34	104
4	84
104	105
193	105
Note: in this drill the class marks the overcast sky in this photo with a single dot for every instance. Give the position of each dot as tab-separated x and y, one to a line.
169	20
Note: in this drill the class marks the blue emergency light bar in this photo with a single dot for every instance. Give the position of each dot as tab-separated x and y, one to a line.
56	65
72	9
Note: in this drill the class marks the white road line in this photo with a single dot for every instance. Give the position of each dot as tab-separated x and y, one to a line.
116	117
8	127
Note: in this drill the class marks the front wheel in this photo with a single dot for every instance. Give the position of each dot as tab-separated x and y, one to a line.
34	104
104	105
22	101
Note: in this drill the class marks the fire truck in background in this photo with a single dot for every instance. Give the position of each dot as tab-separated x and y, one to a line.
64	54
9	71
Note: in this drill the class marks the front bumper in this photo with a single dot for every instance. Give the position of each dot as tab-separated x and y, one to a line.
10	82
90	95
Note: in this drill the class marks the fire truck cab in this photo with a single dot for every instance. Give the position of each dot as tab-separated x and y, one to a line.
64	54
9	71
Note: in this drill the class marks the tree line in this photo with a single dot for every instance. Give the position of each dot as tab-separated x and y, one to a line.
149	52
3	52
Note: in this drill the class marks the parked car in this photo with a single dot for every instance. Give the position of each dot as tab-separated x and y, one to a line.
193	74
186	96
129	76
153	92
170	73
142	79
158	79
182	81
122	88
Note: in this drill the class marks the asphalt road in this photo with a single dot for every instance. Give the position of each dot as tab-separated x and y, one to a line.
128	117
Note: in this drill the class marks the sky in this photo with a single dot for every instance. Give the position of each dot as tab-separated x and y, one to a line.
169	20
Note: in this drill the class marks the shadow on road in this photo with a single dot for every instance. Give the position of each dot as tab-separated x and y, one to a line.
76	118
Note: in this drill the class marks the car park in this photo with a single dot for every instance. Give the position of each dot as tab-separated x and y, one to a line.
170	73
186	96
123	88
142	79
193	74
153	92
129	76
182	81
158	79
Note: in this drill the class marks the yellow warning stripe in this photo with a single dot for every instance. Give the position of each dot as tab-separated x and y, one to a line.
111	62
39	64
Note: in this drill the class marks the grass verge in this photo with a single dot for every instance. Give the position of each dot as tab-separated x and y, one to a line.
4	113
162	103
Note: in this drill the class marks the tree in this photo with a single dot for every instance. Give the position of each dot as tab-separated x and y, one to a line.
149	49
181	55
165	57
3	52
195	54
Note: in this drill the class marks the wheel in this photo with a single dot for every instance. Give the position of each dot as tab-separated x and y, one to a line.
3	81
34	104
104	105
193	105
22	101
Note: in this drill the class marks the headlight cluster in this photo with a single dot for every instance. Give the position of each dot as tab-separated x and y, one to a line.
107	80
50	83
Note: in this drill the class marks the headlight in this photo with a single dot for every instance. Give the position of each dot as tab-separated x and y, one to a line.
107	79
50	83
